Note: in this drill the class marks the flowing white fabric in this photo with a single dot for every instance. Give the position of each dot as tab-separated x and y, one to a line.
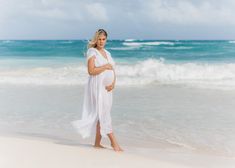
97	101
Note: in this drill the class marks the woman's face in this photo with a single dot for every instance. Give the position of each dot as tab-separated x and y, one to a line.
101	41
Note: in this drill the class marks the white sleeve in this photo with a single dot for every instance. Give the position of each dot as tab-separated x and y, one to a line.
90	53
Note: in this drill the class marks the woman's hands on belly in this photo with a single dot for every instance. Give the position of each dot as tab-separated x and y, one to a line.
108	77
109	80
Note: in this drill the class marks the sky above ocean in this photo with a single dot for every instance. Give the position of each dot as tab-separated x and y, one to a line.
150	19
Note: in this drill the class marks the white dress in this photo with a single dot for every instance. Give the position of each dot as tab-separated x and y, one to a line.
97	101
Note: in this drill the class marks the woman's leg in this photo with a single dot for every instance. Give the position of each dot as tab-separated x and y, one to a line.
114	143
98	136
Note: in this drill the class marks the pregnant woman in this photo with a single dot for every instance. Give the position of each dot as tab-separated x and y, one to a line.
98	98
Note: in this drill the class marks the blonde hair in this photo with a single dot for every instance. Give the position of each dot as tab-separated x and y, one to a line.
93	41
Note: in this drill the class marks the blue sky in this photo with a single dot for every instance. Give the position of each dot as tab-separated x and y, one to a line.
138	19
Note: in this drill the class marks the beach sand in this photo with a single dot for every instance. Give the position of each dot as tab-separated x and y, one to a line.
16	152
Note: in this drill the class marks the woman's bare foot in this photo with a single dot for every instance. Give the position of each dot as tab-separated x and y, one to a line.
116	148
98	146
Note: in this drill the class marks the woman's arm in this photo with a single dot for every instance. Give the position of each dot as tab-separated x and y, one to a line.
92	70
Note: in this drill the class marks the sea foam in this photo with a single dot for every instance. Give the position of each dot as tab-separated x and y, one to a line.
150	71
147	43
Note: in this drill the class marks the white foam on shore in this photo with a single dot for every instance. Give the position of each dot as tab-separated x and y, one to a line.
150	71
192	74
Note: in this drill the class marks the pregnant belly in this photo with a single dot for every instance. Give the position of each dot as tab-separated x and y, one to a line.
108	77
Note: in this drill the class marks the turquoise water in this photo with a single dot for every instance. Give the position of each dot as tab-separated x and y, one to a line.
185	51
207	64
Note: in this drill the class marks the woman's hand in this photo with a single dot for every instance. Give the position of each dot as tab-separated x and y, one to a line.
110	87
108	66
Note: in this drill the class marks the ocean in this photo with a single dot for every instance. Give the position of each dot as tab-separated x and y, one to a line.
176	94
204	64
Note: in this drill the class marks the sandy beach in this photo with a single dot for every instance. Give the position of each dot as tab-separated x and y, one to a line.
22	152
32	153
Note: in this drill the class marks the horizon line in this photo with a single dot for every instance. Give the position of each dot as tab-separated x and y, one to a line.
119	39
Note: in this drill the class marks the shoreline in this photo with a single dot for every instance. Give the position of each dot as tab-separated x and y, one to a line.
30	149
27	153
34	113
